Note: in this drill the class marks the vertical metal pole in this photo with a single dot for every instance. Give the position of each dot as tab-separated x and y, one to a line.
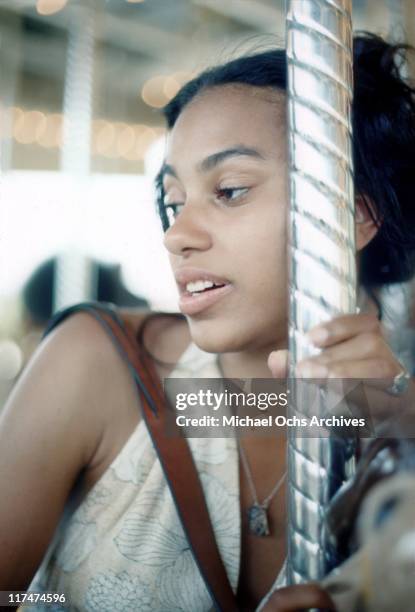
321	249
74	280
397	300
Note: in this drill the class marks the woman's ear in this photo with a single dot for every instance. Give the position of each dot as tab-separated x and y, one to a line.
365	219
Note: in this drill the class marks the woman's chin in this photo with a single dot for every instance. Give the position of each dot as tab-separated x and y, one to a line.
215	338
236	334
209	344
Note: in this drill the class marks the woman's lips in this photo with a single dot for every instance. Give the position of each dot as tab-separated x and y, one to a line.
188	274
193	303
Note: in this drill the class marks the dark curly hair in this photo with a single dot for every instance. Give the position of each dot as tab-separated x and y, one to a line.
383	143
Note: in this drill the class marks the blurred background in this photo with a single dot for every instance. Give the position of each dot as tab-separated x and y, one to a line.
82	84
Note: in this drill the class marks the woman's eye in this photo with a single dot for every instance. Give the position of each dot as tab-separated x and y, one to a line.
231	194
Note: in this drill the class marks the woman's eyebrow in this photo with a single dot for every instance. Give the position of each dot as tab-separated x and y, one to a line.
214	160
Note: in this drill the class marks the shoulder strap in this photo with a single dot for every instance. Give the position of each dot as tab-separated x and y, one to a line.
173	453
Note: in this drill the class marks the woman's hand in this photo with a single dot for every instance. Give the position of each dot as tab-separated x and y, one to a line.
301	597
352	346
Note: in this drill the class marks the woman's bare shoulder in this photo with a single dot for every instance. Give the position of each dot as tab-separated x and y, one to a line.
52	429
74	380
70	353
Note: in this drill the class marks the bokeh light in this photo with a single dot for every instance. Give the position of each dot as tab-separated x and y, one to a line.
52	134
153	92
11	359
30	127
48	7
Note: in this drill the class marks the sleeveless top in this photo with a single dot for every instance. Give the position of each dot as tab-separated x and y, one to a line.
123	548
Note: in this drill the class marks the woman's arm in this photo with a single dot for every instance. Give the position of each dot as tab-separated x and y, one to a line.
54	425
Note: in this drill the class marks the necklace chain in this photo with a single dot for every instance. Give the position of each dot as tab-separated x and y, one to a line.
248	473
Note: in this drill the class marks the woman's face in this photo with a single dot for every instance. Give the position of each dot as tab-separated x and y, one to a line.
226	167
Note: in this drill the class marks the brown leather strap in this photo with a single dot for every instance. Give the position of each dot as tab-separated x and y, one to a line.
175	458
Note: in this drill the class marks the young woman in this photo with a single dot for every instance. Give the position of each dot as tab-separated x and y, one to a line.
71	436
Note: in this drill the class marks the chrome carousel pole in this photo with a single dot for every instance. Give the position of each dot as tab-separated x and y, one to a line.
322	281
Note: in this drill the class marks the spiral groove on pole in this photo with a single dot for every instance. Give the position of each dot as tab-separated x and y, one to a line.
321	249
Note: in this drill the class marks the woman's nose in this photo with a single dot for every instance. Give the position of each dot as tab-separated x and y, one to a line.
188	233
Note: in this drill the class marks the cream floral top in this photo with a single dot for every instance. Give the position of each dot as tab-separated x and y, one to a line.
124	549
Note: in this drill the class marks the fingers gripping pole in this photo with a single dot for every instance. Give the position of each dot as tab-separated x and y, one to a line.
321	247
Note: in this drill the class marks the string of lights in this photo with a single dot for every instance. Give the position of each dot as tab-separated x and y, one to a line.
111	139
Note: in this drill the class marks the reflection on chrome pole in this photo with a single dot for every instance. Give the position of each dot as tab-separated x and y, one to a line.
321	249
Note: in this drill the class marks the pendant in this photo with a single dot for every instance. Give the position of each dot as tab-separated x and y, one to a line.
258	520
